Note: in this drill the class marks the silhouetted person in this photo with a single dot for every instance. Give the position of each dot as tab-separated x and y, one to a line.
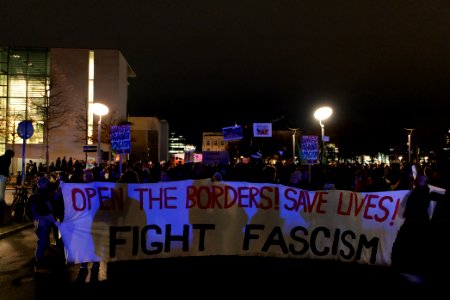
5	163
43	217
88	177
410	249
438	233
129	176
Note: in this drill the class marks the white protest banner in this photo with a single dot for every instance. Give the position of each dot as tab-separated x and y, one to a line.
109	222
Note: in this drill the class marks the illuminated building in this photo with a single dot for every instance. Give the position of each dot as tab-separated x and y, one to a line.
149	139
54	88
213	141
177	145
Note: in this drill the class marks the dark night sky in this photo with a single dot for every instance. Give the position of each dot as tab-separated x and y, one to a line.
202	65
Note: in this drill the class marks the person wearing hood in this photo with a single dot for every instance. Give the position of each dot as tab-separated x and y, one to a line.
44	219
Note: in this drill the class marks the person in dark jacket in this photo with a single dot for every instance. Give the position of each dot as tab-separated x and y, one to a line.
438	233
44	219
88	177
410	249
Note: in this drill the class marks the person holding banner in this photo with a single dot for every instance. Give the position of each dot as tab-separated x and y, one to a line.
409	250
44	219
130	175
217	177
88	176
58	206
296	178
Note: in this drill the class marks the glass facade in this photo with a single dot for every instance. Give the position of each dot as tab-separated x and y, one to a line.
24	92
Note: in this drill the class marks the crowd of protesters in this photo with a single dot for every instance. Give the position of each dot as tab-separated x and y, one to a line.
354	177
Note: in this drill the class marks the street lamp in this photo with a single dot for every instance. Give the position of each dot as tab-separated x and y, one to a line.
100	110
293	144
409	130
322	114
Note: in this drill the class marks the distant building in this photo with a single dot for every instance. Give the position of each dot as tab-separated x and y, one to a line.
149	139
179	151
279	145
177	145
55	89
213	141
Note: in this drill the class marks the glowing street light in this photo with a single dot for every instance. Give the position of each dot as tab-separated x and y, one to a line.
100	110
321	114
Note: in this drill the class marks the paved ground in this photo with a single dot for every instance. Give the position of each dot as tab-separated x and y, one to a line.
232	276
12	226
255	277
219	276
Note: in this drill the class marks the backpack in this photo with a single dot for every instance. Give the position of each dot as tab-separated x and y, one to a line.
39	205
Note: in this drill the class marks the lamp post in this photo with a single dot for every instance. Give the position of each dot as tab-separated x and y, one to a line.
321	114
293	144
100	110
409	130
15	117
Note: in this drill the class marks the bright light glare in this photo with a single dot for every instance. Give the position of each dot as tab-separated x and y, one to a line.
323	113
100	109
